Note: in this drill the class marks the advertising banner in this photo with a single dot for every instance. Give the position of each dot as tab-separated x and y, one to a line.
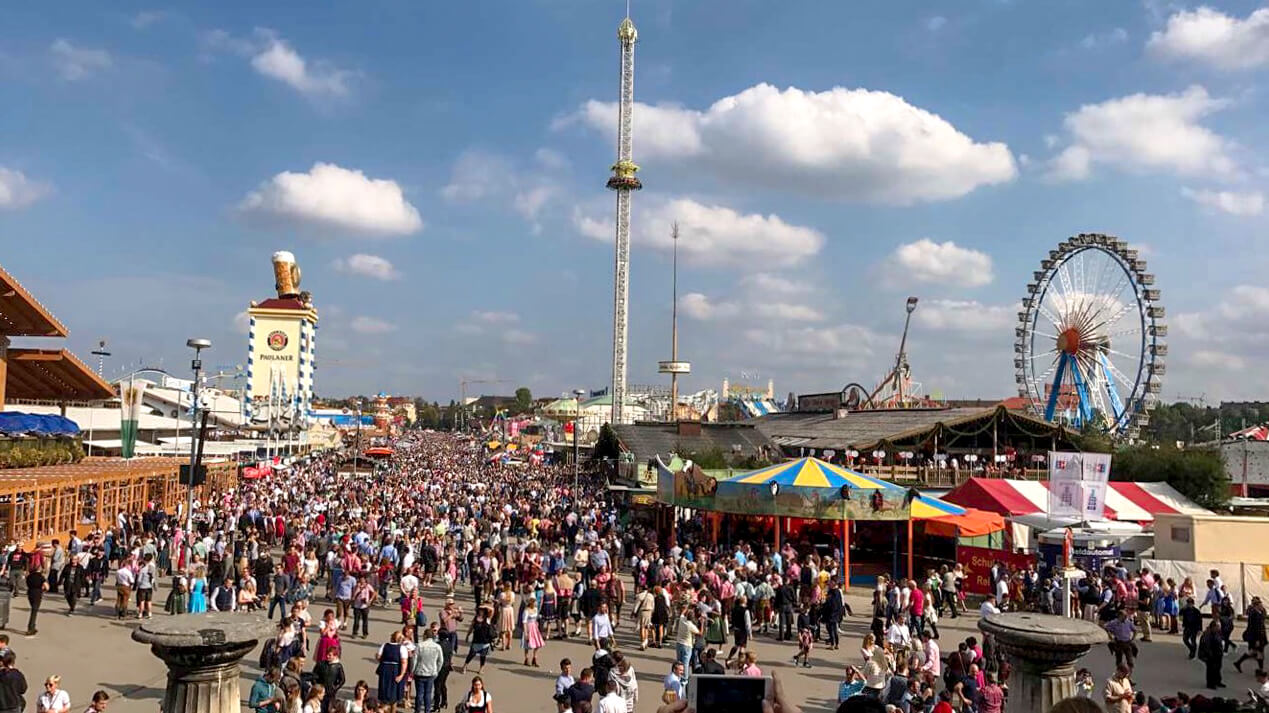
1077	485
977	562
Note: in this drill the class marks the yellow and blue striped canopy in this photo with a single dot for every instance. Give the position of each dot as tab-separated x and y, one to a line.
815	473
811	473
926	507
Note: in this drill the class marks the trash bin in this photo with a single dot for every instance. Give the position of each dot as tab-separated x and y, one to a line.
6	596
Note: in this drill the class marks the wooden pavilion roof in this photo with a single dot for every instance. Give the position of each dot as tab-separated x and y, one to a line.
87	470
53	375
21	315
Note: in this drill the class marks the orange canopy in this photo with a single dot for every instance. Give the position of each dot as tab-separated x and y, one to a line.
973	523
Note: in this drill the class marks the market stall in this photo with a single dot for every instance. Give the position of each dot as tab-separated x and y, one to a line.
809	490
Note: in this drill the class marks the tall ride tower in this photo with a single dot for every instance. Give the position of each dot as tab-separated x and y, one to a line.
623	181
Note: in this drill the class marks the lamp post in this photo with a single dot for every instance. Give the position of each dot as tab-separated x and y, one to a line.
198	345
577	418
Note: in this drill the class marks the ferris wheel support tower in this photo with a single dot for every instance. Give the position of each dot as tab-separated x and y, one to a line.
623	181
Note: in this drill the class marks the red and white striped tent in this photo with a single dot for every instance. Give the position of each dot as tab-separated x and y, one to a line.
1254	433
1127	502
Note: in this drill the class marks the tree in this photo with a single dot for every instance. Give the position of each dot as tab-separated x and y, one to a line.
524	399
608	446
1197	473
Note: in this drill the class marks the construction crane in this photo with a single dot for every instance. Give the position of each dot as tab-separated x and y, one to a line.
462	394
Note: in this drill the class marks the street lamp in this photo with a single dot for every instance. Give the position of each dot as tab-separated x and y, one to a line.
577	417
198	345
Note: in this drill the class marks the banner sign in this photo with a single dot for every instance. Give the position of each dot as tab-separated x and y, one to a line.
977	562
1078	483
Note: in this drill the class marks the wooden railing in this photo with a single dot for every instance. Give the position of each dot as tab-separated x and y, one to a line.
945	477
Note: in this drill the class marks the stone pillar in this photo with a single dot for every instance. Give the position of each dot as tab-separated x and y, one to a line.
202	653
1043	650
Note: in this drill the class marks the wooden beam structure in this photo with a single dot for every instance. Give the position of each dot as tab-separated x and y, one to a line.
40	503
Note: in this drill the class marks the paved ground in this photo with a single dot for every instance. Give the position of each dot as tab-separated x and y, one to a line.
92	650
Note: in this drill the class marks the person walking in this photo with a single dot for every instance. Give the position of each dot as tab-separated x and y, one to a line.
73	579
1254	635
329	672
391	669
428	659
482	637
125	578
478	699
1122	633
1119	693
1191	626
12	684
54	699
36	586
147	572
530	632
1211	650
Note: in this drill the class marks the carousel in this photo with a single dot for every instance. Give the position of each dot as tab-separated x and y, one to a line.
813	504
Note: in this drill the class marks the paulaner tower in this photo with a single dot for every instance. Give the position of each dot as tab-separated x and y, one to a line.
623	181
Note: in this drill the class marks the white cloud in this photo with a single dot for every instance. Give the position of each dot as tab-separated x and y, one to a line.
1232	202
1095	40
765	282
495	317
1212	37
367	266
1211	359
479	175
936	23
242	322
338	198
965	316
700	307
273	57
476	175
278	60
550	159
142	20
18	191
75	63
713	235
371	325
762	295
940	263
787	312
1218	342
518	337
1146	132
847	144
530	201
848	345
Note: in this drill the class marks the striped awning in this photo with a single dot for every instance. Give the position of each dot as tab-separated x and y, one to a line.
1125	501
811	473
815	473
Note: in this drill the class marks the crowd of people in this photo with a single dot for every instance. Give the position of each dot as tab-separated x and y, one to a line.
319	549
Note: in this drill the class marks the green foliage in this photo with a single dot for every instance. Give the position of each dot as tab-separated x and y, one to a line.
29	453
607	447
710	458
1197	473
524	399
1189	423
1092	436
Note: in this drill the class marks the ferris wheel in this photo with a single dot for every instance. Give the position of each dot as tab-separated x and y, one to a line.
1088	348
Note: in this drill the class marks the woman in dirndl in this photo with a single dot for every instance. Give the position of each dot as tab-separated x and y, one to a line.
531	633
391	670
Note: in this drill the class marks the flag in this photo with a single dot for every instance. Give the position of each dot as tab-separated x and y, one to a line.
131	394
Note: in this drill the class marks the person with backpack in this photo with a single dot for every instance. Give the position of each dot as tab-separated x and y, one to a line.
12	684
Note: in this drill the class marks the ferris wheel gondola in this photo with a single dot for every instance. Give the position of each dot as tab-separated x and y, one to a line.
1088	348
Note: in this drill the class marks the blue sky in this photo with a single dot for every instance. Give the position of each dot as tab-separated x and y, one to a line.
438	170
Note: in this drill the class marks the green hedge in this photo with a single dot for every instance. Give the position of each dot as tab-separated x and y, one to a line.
30	452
